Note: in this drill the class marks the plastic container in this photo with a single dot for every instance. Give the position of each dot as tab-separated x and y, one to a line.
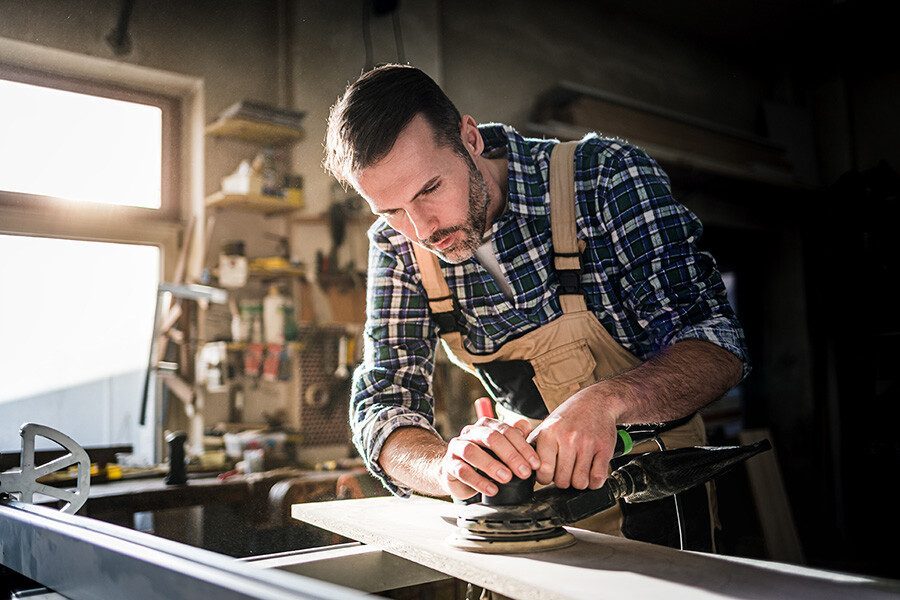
233	267
273	316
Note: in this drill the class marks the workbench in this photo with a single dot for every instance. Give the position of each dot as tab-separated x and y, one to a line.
239	515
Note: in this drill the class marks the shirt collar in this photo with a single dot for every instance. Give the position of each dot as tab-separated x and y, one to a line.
526	187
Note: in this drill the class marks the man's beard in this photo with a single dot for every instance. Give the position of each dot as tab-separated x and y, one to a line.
474	226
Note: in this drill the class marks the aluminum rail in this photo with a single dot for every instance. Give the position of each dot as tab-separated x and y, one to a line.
85	559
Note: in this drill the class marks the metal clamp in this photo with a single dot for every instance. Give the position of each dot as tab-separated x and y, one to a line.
24	481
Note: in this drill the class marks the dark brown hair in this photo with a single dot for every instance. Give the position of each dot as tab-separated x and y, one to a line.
365	122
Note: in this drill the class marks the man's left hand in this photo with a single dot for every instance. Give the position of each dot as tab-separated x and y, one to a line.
576	441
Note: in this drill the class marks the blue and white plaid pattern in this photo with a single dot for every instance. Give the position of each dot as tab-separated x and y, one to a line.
642	275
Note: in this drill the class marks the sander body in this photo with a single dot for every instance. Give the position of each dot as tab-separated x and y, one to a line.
519	519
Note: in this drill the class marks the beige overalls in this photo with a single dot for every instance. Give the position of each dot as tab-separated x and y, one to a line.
567	354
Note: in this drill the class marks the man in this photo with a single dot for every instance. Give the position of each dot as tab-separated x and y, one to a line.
575	292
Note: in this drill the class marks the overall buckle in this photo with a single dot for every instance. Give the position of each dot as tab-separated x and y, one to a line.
569	281
445	321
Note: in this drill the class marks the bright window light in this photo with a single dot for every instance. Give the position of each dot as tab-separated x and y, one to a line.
73	312
79	147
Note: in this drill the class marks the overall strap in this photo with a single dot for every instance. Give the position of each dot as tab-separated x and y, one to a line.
566	248
440	300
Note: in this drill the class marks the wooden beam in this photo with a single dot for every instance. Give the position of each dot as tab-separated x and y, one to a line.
596	567
181	388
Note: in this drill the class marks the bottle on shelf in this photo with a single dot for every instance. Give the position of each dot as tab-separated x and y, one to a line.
273	316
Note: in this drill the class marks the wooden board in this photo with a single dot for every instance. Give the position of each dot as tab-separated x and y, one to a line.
772	505
598	566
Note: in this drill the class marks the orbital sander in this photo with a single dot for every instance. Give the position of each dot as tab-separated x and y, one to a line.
519	519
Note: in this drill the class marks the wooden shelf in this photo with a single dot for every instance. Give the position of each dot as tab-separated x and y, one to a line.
241	346
277	272
263	272
322	219
254	132
269	205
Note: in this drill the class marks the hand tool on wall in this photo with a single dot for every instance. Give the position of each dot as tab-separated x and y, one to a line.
342	371
337	229
24	481
519	519
340	382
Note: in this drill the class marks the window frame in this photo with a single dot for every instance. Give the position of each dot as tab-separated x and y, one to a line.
56	218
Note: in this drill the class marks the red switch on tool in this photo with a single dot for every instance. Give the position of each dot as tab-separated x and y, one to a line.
484	408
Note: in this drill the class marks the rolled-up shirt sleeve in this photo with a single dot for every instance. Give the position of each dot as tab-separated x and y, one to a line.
674	290
392	386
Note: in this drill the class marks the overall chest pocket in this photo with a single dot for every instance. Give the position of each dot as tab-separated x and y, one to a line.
563	371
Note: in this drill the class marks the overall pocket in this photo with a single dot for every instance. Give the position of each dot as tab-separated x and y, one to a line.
563	371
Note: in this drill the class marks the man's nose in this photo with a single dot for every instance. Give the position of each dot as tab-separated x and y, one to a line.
423	223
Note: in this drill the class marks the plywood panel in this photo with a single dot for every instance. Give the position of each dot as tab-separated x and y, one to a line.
596	567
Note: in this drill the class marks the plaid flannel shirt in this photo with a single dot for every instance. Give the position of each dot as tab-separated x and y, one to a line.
642	275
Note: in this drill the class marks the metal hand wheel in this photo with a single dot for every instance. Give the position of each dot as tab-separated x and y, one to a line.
23	481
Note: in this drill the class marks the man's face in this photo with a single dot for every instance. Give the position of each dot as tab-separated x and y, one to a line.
429	193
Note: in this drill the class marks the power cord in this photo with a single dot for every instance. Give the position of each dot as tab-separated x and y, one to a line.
679	516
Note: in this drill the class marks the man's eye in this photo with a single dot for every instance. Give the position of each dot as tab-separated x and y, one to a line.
431	189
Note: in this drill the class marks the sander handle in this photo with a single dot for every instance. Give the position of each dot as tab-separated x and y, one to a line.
520	490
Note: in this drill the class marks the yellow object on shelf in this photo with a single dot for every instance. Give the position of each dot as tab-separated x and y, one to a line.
269	263
294	197
113	471
73	470
274	266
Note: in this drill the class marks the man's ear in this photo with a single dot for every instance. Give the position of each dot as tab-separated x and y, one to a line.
471	137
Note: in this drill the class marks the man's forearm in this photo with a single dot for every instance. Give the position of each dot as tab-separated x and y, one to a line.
678	381
675	383
412	456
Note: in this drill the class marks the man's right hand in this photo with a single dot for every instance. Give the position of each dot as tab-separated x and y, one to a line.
465	453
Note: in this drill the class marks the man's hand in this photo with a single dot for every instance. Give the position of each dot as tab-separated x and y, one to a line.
465	453
577	440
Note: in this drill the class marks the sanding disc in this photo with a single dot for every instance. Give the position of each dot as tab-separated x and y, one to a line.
511	546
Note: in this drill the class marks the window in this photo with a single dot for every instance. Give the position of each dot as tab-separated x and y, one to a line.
80	147
77	319
72	141
89	181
